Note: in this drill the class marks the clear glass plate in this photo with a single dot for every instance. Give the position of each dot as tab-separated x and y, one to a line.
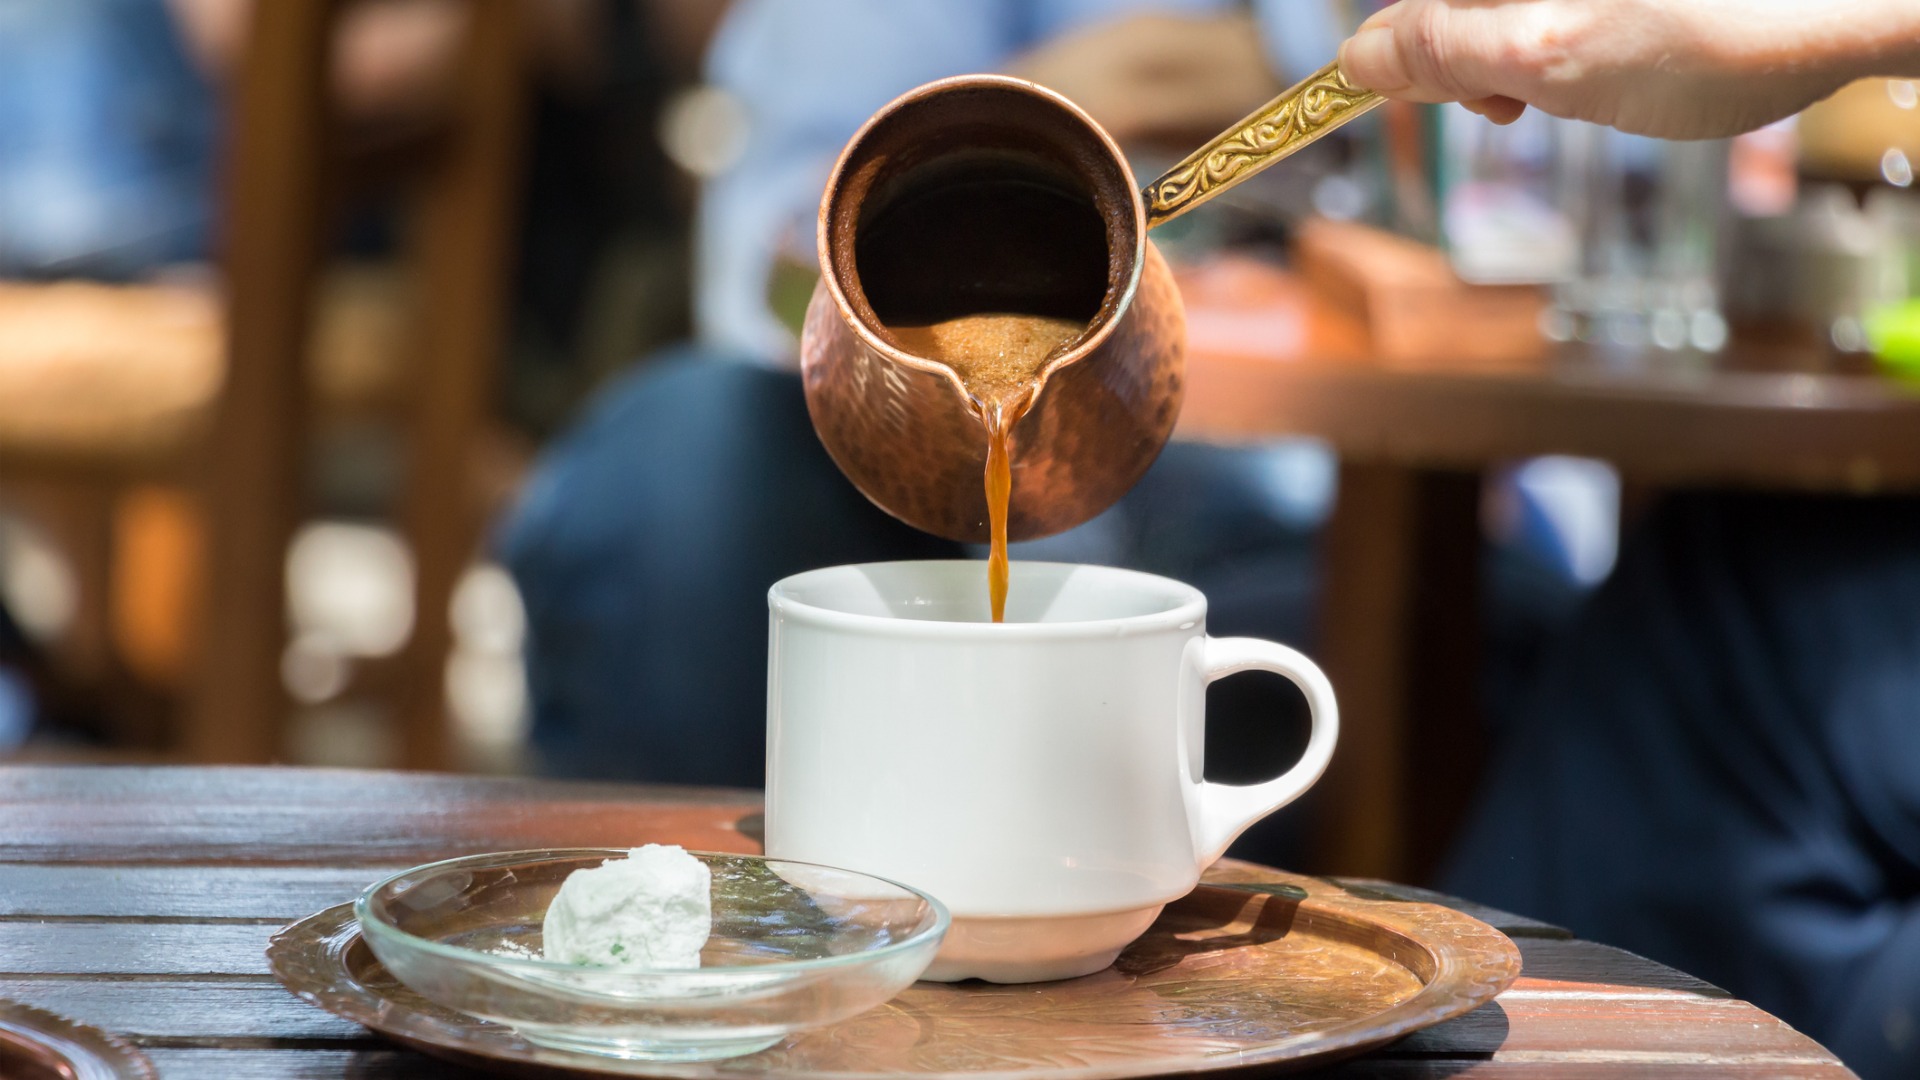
794	946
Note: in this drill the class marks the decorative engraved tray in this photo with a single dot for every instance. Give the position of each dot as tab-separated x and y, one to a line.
1254	967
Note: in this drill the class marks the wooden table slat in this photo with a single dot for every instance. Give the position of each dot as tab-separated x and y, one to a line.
194	1063
1589	967
284	893
132	948
1612	1024
334	789
237	833
382	1064
185	1008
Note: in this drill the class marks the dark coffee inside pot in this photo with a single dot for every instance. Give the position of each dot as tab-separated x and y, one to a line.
997	234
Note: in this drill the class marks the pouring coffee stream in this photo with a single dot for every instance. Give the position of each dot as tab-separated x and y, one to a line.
999	358
986	272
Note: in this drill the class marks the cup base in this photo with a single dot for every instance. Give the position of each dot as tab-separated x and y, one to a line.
1004	949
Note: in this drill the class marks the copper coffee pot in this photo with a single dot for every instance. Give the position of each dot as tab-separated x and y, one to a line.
983	193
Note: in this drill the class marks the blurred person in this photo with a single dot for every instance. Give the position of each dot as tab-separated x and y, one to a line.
1721	766
645	541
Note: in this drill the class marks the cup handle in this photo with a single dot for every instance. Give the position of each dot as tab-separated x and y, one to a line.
1223	811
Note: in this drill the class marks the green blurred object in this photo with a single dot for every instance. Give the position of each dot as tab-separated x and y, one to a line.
1894	331
789	290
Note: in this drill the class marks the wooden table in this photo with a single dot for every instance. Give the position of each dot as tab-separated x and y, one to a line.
1400	584
141	900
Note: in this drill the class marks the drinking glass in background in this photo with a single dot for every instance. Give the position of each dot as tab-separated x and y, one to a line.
1648	218
1498	216
1626	231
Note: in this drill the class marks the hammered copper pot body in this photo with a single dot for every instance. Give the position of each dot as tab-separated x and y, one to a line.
979	194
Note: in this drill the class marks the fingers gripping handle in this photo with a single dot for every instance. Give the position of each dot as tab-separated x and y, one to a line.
1223	811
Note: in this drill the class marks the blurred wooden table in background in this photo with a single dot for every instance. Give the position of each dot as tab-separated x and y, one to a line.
1400	635
141	900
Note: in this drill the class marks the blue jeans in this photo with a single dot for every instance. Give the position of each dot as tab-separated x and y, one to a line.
106	140
1720	768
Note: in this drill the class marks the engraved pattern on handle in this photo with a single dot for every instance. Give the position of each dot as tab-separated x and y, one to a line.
1316	105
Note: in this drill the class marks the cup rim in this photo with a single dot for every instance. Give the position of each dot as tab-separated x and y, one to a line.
370	925
1188	611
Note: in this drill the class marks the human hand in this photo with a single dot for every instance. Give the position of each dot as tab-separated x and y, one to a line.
1680	69
1155	76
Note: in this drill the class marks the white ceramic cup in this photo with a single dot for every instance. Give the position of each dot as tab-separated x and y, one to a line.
1042	776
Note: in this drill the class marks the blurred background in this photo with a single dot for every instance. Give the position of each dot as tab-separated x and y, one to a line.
359	406
293	300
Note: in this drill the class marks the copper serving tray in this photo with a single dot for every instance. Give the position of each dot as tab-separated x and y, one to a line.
1256	967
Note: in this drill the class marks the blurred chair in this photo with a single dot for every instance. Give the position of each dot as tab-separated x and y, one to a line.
108	386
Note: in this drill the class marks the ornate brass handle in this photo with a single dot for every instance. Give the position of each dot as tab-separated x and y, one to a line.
1316	105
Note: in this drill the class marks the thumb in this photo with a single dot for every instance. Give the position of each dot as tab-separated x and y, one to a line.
1423	50
1371	58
